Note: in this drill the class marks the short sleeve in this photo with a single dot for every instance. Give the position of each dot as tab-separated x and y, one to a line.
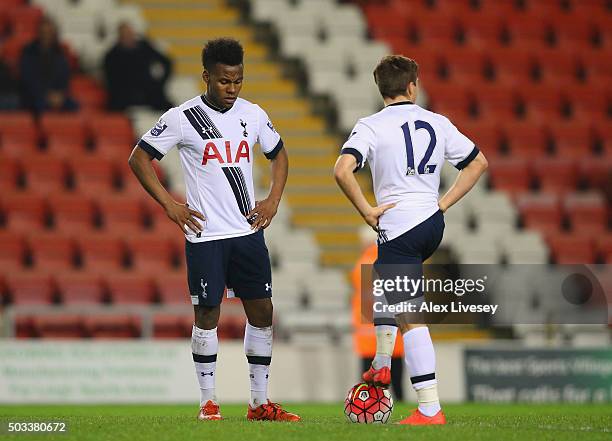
359	143
459	150
269	139
164	135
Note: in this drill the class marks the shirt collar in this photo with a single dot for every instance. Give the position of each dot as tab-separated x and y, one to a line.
207	102
400	103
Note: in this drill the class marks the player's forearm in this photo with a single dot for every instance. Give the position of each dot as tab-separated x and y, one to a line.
141	166
280	170
350	187
466	179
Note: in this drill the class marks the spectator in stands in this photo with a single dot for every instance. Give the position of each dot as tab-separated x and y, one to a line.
136	73
9	90
45	72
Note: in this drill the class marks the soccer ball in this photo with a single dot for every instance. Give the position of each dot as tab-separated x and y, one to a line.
368	404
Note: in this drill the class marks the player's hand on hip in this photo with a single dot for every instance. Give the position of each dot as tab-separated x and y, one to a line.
263	213
373	215
184	217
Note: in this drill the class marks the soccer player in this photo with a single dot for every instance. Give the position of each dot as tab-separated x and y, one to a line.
215	134
406	147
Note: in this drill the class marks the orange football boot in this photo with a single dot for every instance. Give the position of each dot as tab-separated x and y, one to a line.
418	419
270	412
209	412
378	377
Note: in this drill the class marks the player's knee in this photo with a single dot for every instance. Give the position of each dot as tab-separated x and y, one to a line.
206	317
261	317
405	322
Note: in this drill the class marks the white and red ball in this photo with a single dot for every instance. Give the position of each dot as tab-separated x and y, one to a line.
368	404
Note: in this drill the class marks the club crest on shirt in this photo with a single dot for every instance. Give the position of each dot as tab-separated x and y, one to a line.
269	124
159	128
244	130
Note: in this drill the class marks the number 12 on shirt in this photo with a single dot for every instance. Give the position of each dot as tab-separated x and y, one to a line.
424	168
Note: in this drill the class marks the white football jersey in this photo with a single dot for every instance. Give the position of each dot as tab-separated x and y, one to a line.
216	150
406	146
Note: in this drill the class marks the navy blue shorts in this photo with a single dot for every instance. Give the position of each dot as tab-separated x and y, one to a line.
404	255
240	263
415	245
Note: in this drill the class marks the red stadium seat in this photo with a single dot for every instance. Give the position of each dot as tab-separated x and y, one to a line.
590	103
512	66
543	103
435	30
72	213
572	140
59	326
504	8
587	212
51	251
556	175
9	174
596	172
24	212
483	31
25	19
13	147
11	49
91	95
172	288
525	139
18	128
129	184
557	66
79	288
30	288
466	66
384	24
449	100
598	67
510	174
528	31
121	214
571	248
604	247
150	253
12	252
61	147
540	211
112	326
453	7
110	149
487	136
45	174
101	253
572	31
93	174
111	127
130	288
172	325
545	8
24	327
64	127
496	102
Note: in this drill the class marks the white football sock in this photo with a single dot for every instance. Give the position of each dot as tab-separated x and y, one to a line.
385	342
258	350
204	345
420	360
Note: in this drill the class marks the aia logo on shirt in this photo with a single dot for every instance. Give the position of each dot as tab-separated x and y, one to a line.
231	156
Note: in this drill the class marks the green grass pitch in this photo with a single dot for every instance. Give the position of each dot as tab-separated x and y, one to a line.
321	422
